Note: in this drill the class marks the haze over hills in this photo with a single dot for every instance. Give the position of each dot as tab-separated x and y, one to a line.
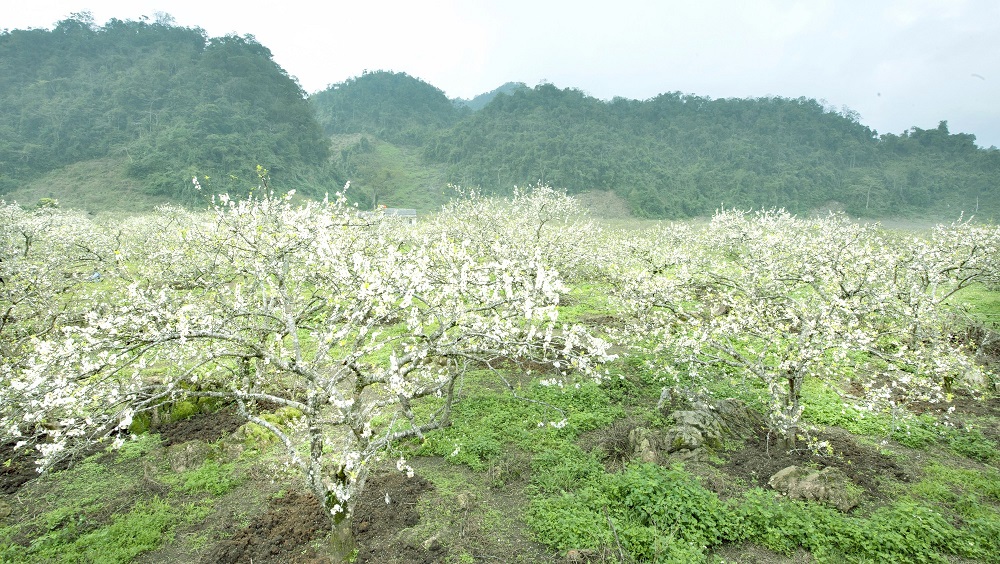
157	104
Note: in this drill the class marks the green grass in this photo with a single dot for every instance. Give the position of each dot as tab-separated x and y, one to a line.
112	507
90	514
96	186
658	514
147	526
211	478
486	422
396	175
983	304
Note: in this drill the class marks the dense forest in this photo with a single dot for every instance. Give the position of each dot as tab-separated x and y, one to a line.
677	155
170	103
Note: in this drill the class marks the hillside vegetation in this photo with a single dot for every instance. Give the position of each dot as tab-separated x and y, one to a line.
165	103
676	155
169	102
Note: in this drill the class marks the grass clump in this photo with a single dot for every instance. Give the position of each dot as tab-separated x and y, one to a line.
211	478
147	526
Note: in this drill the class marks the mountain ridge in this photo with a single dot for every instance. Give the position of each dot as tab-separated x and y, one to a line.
166	104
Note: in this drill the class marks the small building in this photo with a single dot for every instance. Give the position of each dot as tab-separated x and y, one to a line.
406	215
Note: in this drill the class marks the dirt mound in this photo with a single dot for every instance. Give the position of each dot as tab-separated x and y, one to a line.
282	534
962	404
208	427
760	459
20	470
377	524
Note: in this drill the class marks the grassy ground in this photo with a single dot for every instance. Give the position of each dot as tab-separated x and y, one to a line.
504	484
94	186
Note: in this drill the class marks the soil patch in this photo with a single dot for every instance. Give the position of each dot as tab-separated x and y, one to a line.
282	534
376	523
20	470
758	460
23	468
970	412
964	404
208	427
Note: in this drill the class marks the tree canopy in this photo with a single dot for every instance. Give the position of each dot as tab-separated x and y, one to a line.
171	101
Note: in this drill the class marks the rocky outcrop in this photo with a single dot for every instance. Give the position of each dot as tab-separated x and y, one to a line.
829	485
694	430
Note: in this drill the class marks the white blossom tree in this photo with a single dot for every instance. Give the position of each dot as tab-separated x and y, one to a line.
50	269
785	299
545	223
359	327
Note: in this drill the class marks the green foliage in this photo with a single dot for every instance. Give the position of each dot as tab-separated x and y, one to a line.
77	524
394	106
972	444
568	521
564	468
905	531
168	101
657	514
948	483
656	508
183	410
211	477
147	526
825	407
486	422
256	436
168	104
382	173
681	155
139	447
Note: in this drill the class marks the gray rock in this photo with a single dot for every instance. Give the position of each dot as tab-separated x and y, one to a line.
694	429
737	420
644	444
702	427
829	485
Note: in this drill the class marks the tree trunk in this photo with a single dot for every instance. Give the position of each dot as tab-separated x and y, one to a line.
791	409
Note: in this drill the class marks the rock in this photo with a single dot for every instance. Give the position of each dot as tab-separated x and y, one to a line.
5	510
189	455
230	447
432	544
829	485
581	556
465	500
694	429
737	420
644	444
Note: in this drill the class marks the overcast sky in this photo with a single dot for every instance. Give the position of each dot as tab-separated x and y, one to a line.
898	63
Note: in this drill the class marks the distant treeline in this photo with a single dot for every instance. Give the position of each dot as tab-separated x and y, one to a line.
676	155
174	103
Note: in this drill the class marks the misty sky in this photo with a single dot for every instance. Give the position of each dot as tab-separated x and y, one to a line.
898	63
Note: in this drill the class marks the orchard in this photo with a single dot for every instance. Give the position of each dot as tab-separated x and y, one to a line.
359	329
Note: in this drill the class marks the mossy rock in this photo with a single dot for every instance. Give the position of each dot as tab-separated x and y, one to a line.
140	424
183	410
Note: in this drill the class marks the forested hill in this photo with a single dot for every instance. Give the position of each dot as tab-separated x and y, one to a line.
165	102
681	155
136	109
392	106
